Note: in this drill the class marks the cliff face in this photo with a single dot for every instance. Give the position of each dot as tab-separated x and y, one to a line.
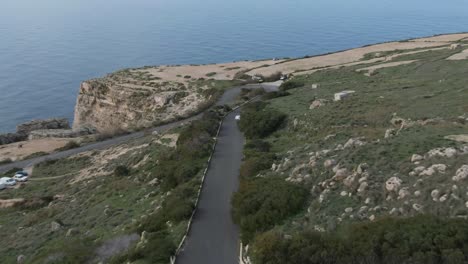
110	104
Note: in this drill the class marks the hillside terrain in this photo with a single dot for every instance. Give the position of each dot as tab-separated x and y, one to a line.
129	202
380	175
328	181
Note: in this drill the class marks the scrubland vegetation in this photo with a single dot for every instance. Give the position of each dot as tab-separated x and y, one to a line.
378	177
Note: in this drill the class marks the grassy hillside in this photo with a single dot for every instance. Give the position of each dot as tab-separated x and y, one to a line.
127	203
382	152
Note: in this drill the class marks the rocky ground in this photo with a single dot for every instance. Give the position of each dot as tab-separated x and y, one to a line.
81	202
395	146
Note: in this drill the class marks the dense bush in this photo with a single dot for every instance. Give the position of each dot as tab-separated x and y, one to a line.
421	239
258	145
261	203
291	84
259	122
121	171
254	164
275	94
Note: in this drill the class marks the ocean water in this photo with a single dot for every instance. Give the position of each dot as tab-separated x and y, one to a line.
48	47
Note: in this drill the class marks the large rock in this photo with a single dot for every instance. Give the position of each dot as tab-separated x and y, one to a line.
52	123
416	158
317	103
393	184
442	152
12	138
62	133
461	174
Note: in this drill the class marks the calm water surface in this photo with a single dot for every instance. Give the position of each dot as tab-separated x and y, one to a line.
48	47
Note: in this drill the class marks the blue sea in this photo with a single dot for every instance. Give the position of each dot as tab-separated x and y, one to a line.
48	47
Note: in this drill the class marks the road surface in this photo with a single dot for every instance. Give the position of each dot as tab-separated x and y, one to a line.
214	238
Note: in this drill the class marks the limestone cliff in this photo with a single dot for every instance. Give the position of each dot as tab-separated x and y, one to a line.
127	100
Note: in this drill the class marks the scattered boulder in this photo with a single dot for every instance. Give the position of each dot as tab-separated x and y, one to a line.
393	184
61	133
52	123
362	168
342	95
362	187
354	142
350	180
72	232
390	133
416	157
455	46
403	193
341	174
55	226
461	174
329	162
436	168
317	103
435	194
443	198
349	210
12	138
417	207
442	152
21	259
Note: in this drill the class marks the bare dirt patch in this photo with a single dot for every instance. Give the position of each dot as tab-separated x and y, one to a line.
223	71
11	202
459	56
370	70
341	58
20	150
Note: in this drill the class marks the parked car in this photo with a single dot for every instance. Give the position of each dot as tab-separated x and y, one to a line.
21	177
237	117
21	173
7	181
2	186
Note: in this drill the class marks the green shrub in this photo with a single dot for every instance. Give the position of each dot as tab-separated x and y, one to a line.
121	171
5	161
255	163
420	239
263	202
275	94
291	84
259	122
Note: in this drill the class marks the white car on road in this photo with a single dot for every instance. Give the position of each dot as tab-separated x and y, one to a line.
21	176
7	181
237	117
